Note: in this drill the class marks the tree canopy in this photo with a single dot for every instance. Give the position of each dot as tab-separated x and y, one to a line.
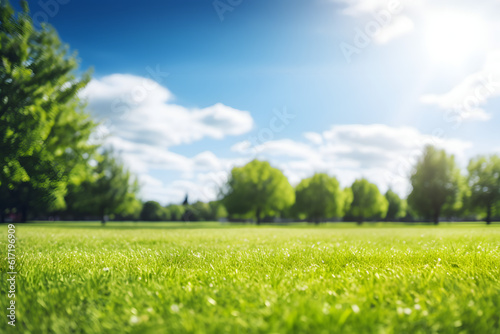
436	184
108	189
319	197
397	206
43	129
484	183
367	201
259	189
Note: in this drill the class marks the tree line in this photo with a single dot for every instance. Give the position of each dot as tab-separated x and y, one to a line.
439	190
52	164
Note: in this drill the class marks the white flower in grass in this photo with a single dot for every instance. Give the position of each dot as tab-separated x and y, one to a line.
355	308
134	319
105	269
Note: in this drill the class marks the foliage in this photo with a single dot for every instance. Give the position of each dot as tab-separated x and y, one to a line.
319	197
43	129
259	189
153	211
109	189
367	202
175	212
397	206
348	197
484	183
437	184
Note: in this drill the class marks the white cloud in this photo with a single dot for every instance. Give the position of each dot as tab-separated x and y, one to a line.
469	97
140	110
360	7
241	147
400	26
385	16
314	138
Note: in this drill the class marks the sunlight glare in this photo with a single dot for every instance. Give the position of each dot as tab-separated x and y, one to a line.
453	37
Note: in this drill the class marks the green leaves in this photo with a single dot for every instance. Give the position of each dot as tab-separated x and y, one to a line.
368	202
484	183
258	189
319	197
44	131
107	189
436	184
397	206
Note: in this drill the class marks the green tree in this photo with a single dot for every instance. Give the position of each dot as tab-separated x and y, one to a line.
348	197
259	189
367	202
319	197
397	206
484	183
109	189
218	210
176	212
436	183
44	131
153	211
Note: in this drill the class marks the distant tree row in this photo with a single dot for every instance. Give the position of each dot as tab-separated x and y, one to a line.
438	190
198	211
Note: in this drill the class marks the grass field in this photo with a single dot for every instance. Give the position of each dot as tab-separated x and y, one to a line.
213	278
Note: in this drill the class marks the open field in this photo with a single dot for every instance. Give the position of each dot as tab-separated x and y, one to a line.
213	278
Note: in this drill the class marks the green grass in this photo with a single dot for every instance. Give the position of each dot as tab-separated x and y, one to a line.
213	278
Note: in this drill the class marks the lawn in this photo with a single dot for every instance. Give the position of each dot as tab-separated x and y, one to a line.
216	278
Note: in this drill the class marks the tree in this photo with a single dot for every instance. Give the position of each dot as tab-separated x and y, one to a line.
348	197
44	131
397	206
259	189
319	197
176	211
367	202
484	183
435	180
218	210
153	211
109	189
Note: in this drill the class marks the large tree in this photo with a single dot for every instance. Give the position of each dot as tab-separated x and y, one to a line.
397	206
367	202
43	129
436	183
259	189
484	183
110	189
319	197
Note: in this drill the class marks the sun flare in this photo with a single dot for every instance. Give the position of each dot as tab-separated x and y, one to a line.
453	37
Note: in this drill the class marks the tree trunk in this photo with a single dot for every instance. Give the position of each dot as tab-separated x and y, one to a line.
258	216
360	220
24	214
437	212
488	215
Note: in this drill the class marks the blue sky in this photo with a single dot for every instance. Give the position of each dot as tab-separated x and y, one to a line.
359	103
